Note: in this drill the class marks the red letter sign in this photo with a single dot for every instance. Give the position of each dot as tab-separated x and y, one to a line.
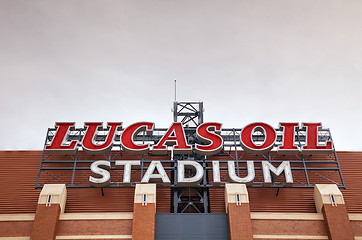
312	143
88	142
288	143
130	132
59	144
175	135
213	140
248	143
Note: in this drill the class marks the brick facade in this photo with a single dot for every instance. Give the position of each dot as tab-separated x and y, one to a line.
144	221
240	222
45	222
337	222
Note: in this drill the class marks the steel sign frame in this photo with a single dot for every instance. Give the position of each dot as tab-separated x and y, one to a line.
231	149
73	169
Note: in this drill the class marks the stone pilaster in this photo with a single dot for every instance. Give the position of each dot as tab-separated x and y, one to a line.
51	203
238	210
329	200
144	212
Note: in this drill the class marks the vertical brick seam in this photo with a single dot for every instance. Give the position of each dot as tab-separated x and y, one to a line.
240	222
144	218
337	222
45	222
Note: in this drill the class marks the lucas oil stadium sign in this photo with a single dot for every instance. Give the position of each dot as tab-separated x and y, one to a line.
206	155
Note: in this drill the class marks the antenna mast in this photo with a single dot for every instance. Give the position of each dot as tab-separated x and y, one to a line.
175	90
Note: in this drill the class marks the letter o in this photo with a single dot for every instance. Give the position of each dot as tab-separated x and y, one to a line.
247	142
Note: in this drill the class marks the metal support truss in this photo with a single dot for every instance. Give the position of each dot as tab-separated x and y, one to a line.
190	199
190	114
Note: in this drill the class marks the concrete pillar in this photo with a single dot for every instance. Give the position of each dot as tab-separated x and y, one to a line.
238	210
144	212
51	203
329	200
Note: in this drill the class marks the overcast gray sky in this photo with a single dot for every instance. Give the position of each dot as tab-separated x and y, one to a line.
255	60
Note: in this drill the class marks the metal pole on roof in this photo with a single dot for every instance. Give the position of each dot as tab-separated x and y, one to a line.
175	90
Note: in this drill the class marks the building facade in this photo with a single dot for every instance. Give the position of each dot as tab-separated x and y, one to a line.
262	213
86	184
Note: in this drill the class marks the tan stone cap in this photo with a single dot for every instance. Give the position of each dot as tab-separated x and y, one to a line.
145	193
236	193
327	194
53	194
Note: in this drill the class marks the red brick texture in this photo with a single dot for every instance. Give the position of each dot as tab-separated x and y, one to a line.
337	222
45	222
15	228
95	227
240	222
357	227
96	238
144	218
288	227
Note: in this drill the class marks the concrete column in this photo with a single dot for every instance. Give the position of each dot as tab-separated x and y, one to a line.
51	203
238	210
144	212
329	200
